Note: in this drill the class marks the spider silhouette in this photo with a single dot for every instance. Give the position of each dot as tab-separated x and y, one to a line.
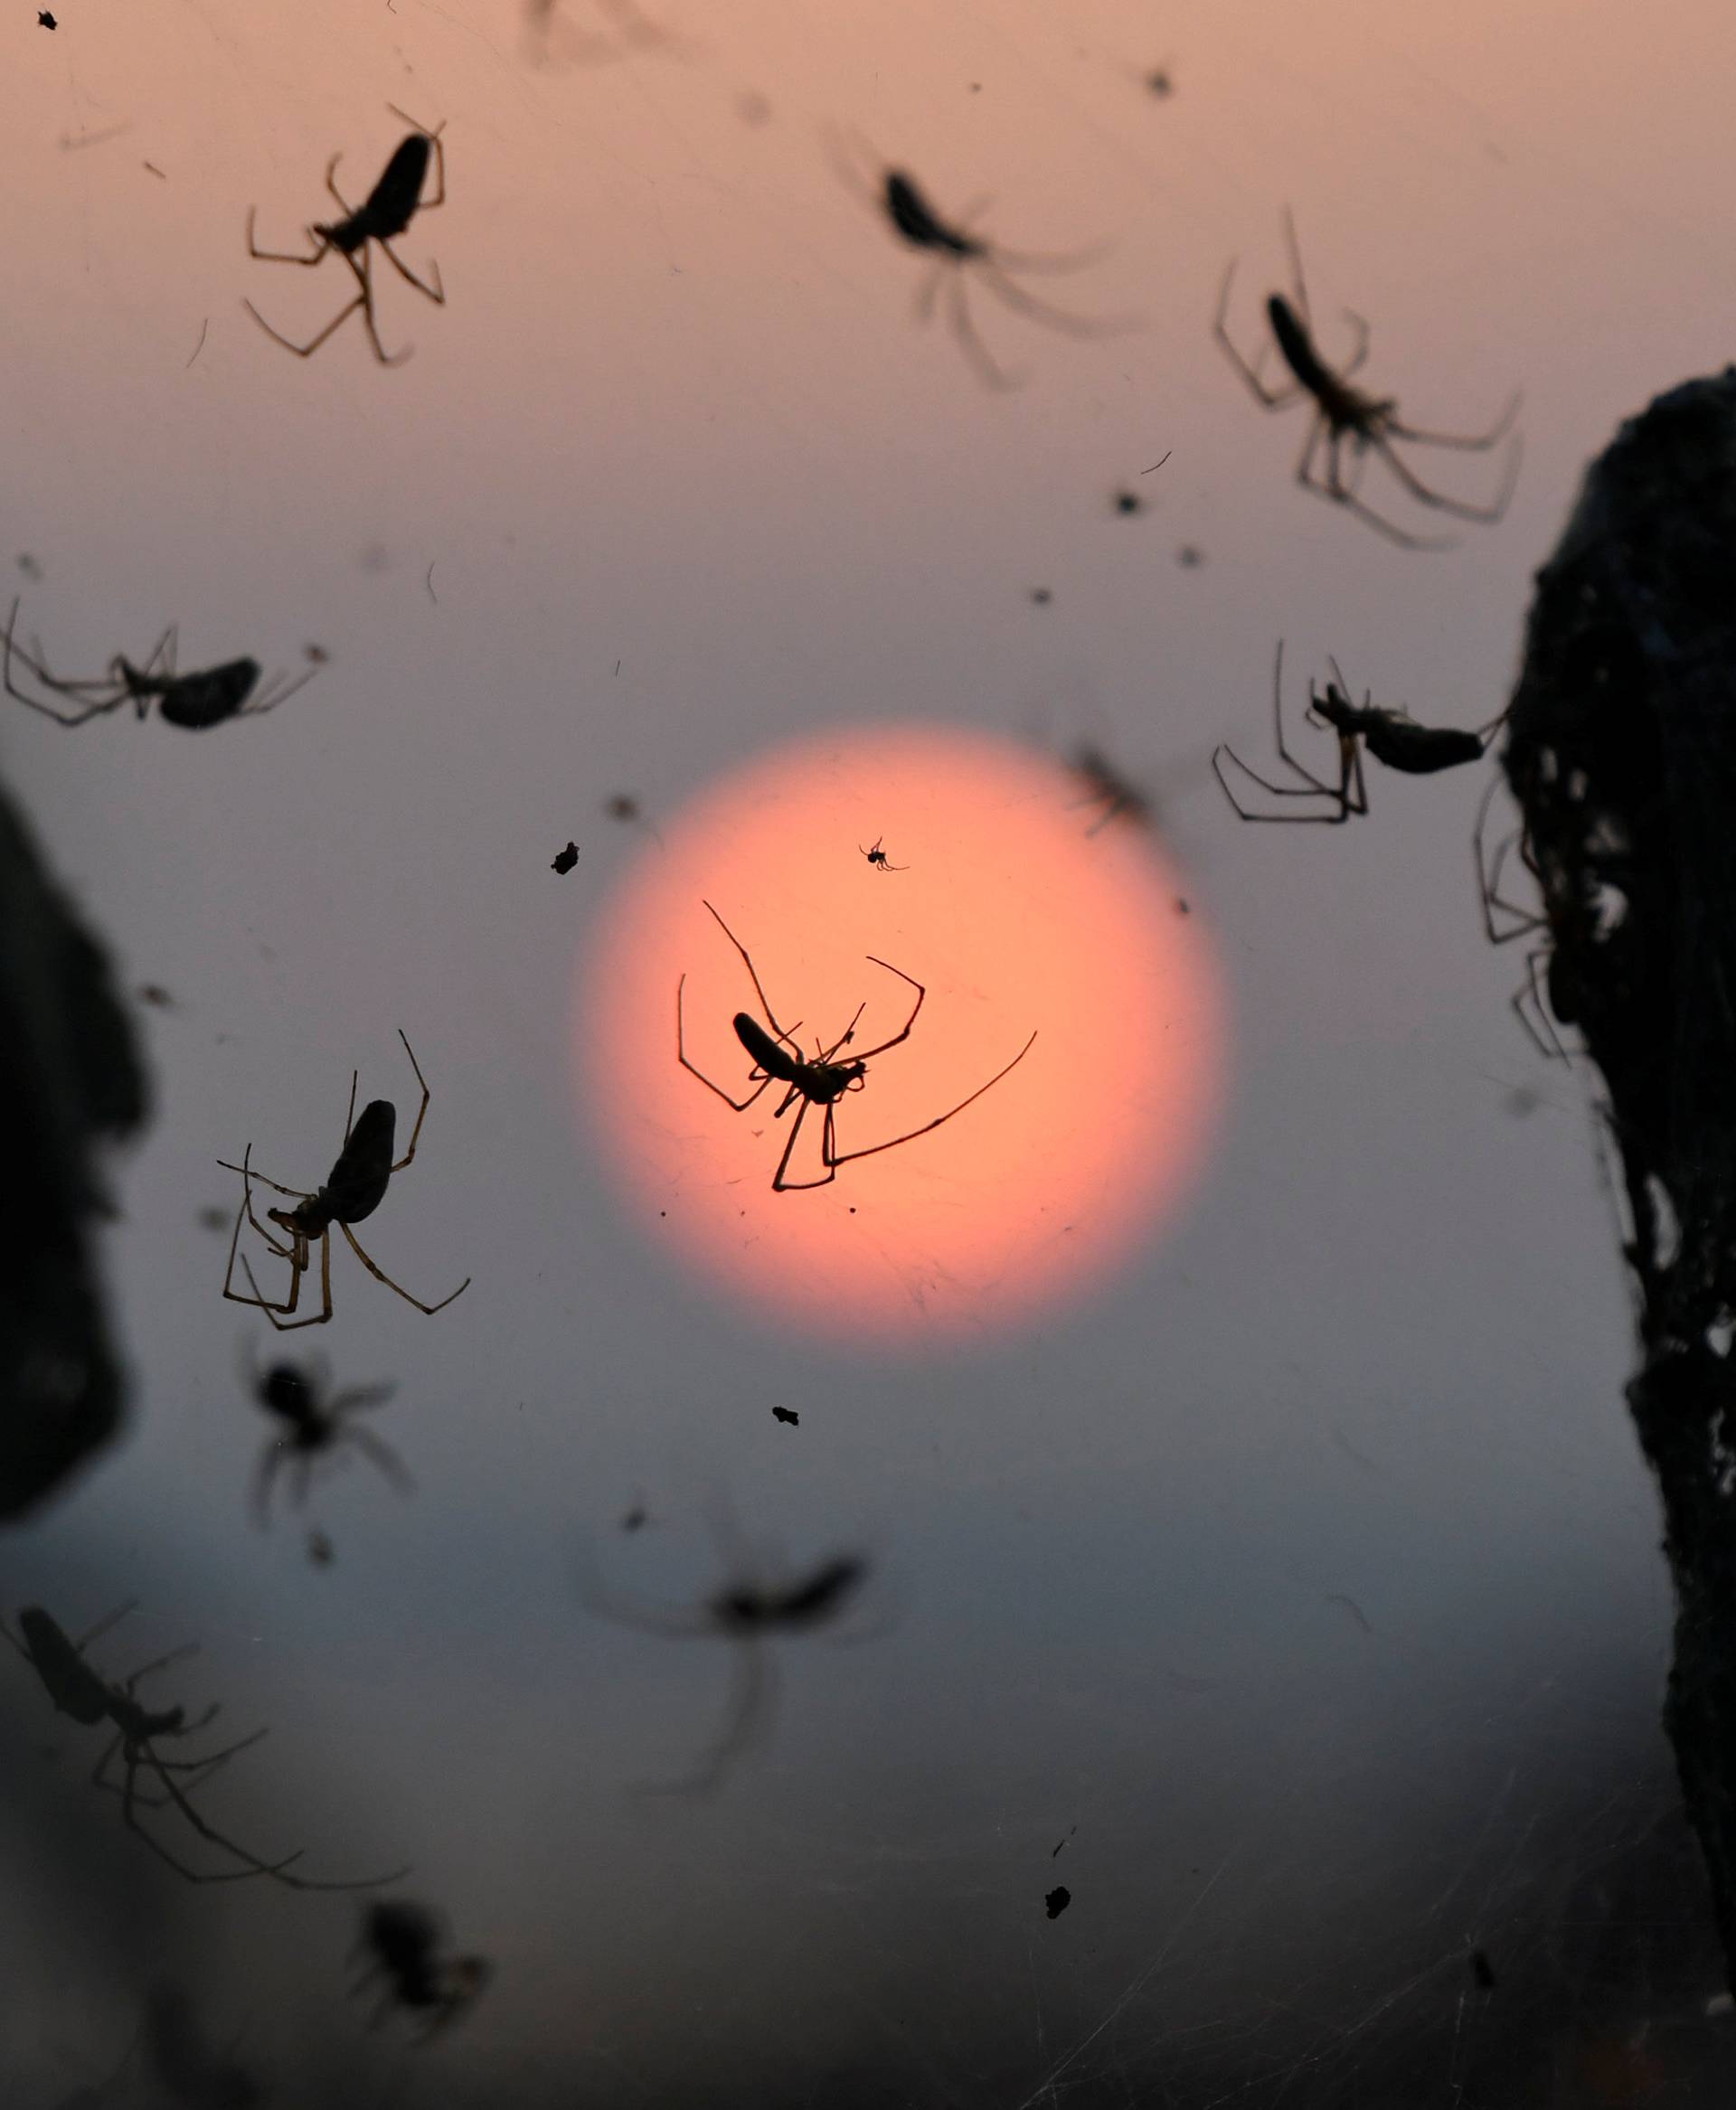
877	857
402	1941
957	250
1346	415
315	1421
819	1081
385	212
746	1611
195	702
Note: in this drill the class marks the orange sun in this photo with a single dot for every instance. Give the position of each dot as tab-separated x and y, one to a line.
1015	921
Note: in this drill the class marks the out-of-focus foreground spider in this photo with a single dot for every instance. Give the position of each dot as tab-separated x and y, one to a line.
1391	735
315	1420
77	1690
746	1611
957	250
819	1081
355	1189
402	1941
386	211
195	702
1343	413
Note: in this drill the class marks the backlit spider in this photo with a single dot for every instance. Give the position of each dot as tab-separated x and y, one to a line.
1391	736
402	1940
1343	413
746	1611
386	211
355	1189
195	702
315	1420
76	1691
957	250
816	1082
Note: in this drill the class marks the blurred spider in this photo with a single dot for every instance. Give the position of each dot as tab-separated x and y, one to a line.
1392	736
315	1421
354	1189
196	701
957	250
402	1940
877	857
386	211
745	1612
77	1690
820	1082
1343	413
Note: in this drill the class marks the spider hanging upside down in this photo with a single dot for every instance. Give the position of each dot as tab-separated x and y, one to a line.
957	250
386	211
76	1691
355	1189
195	702
315	1420
1343	413
1392	736
819	1081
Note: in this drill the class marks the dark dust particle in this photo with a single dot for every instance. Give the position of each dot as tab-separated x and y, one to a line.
785	1414
566	859
1127	503
1058	1900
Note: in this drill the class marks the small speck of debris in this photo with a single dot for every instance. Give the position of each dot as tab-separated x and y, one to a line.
1158	464
566	859
315	655
154	171
618	666
47	20
154	993
1523	1100
427	580
212	1219
1159	83
203	326
753	107
28	565
975	88
623	807
634	1520
1182	907
1058	1900
320	1550
1190	556
1041	596
783	1414
1482	1970
1060	1844
1128	502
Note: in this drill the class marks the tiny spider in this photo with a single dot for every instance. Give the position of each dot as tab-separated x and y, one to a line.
402	1941
818	1082
1392	736
355	1189
1343	413
76	1691
315	1420
386	211
957	251
745	1612
195	702
877	857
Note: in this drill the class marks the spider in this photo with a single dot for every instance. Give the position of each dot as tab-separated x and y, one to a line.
402	1940
1343	413
877	857
1550	994
1392	736
355	1189
957	251
818	1082
77	1690
386	211
314	1421
746	1612
213	696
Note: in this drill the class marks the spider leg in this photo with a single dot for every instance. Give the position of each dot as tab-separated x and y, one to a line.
263	1302
322	244
308	350
741	1106
380	1274
748	962
1272	398
104	1623
1246	812
1533	990
1339	493
1475	443
779	1185
331	184
436	292
904	1033
435	141
1457	507
287	1324
970	341
359	1397
928	287
420	1112
12	650
270	1458
826	1054
278	690
364	279
391	1466
1488	882
1010	293
142	1754
1360	352
276	1186
835	1158
753	1687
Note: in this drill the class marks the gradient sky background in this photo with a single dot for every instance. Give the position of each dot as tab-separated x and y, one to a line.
1303	1577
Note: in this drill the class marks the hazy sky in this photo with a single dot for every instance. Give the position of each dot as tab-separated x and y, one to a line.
1306	1566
